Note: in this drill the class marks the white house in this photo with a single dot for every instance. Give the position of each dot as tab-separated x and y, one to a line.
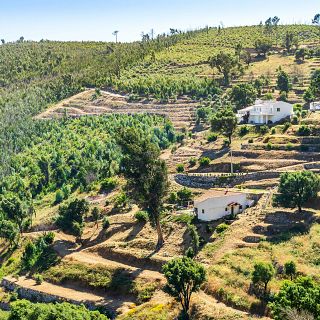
314	106
264	112
215	204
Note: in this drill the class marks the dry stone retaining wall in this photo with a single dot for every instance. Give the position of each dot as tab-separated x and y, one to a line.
38	296
210	181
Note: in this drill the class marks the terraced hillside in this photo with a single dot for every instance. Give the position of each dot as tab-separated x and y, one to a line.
181	113
188	61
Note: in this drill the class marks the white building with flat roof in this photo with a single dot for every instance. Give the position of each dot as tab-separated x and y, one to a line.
264	112
314	106
215	204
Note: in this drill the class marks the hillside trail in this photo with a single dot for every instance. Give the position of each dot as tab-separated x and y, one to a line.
64	246
75	294
210	305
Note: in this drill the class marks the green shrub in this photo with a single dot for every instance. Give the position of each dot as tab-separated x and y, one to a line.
273	130
226	142
192	162
302	294
141	216
290	269
222	227
108	184
212	137
268	96
23	309
184	194
66	189
71	216
95	214
297	107
38	254
243	130
204	161
173	198
180	167
269	146
283	96
295	119
121	200
38	278
264	129
105	223
304	130
59	196
304	113
286	126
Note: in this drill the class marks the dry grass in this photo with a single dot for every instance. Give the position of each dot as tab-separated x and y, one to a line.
230	276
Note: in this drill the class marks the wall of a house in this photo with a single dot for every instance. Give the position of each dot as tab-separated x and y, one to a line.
215	208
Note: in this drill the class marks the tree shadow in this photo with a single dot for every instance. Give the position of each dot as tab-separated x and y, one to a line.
136	228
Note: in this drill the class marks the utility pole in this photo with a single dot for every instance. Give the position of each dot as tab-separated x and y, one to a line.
231	164
115	33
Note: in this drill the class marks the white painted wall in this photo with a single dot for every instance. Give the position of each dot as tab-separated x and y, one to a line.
315	105
268	110
215	208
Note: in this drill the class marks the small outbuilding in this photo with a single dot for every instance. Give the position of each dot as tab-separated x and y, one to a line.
315	106
215	204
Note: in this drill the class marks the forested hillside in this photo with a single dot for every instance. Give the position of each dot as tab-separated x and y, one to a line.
106	149
37	74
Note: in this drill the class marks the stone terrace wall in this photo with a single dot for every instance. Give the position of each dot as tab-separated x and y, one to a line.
38	296
210	181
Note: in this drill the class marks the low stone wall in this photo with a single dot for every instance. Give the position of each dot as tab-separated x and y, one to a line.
210	181
38	296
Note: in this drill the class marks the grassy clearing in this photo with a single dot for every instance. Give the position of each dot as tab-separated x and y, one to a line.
151	311
115	280
230	278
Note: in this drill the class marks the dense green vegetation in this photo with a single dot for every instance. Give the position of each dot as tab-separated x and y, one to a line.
297	188
69	154
299	297
26	310
34	75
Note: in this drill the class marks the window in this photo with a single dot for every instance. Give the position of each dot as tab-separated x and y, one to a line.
278	109
226	209
202	210
240	207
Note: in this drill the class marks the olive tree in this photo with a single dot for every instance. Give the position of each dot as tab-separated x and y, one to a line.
243	95
225	122
262	274
297	188
225	63
184	277
263	46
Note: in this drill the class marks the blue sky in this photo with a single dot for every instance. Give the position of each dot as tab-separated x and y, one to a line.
96	19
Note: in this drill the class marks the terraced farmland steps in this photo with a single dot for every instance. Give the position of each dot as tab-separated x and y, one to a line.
181	112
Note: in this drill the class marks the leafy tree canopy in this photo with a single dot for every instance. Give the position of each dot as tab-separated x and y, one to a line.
302	294
224	121
297	188
184	277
